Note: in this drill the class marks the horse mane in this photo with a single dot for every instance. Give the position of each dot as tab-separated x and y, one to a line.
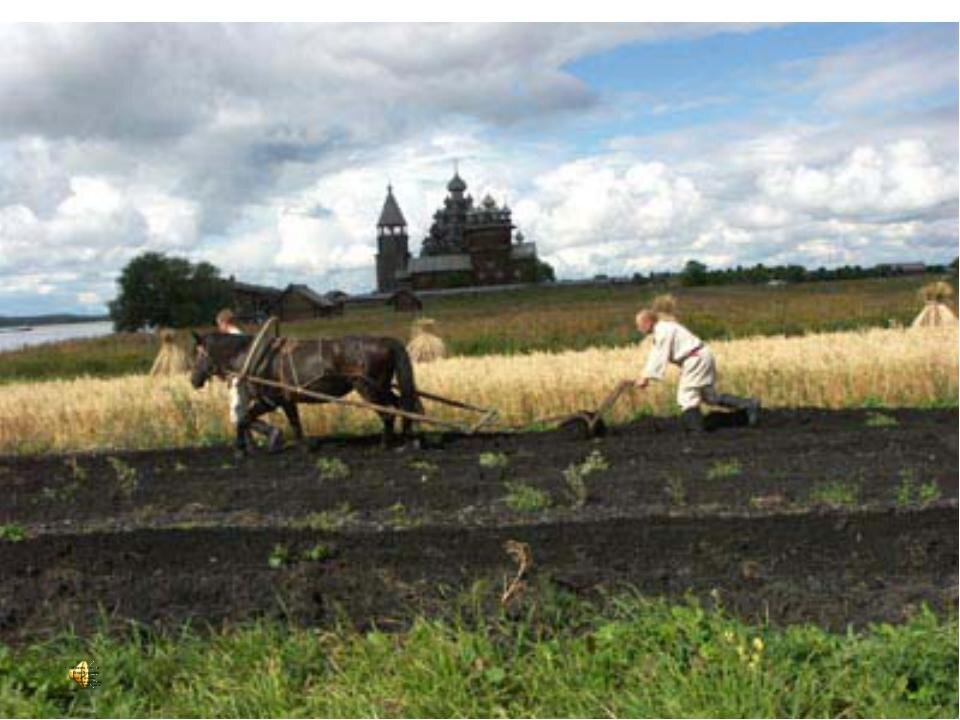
226	346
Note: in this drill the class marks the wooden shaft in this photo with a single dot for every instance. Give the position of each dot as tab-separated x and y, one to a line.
448	401
354	403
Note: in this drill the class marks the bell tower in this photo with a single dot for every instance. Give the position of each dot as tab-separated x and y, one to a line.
392	251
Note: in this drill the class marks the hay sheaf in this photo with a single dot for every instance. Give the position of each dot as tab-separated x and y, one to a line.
172	358
935	312
424	345
940	292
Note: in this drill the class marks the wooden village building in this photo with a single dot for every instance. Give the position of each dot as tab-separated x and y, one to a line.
467	245
296	302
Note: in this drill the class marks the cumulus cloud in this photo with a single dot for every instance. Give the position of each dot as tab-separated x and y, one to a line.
901	178
266	149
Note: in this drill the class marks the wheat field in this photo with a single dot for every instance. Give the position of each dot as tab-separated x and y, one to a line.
891	367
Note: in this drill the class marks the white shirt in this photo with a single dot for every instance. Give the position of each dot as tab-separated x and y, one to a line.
671	342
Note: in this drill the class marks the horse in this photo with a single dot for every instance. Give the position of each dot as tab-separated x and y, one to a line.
332	366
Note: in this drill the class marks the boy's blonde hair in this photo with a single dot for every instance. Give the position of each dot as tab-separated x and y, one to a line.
648	314
225	317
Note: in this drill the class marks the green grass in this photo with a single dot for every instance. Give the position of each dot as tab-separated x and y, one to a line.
878	419
127	478
546	319
910	493
576	476
675	491
279	556
723	469
12	532
563	658
493	460
526	498
332	469
835	493
325	520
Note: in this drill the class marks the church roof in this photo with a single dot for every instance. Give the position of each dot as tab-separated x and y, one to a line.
439	263
456	183
390	215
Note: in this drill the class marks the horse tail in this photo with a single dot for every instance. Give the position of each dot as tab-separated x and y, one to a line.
404	369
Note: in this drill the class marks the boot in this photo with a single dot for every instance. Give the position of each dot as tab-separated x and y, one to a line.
692	421
749	405
717	420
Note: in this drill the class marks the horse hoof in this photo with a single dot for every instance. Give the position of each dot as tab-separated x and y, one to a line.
275	443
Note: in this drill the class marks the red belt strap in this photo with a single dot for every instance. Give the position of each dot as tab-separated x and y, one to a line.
692	353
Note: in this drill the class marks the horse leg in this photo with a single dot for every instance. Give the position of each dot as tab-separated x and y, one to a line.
381	396
293	417
273	434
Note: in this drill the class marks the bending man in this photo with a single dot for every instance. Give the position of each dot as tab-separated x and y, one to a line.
672	342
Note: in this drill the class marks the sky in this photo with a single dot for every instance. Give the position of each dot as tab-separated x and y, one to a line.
266	149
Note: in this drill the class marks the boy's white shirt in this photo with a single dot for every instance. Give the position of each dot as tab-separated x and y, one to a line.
671	341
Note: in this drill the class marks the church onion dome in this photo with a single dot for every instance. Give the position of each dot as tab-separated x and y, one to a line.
456	184
391	216
489	203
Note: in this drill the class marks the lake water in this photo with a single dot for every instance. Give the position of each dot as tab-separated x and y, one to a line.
12	338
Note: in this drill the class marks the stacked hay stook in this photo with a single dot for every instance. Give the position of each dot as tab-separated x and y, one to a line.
936	312
425	345
172	358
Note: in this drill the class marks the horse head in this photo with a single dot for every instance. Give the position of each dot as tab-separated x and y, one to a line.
203	364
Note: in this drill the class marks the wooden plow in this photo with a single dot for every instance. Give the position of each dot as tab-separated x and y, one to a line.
587	423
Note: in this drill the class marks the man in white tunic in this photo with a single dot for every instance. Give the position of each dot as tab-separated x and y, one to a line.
673	343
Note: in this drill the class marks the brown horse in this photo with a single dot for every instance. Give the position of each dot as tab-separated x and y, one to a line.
332	366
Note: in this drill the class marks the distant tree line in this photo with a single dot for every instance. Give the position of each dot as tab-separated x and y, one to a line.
696	274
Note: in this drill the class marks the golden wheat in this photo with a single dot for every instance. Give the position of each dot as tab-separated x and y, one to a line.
893	367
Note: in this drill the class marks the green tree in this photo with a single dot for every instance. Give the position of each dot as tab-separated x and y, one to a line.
694	273
156	290
545	272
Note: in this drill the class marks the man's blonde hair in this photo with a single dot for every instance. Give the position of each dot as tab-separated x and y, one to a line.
648	314
225	317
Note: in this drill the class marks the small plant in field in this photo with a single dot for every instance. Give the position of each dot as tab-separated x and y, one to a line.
724	469
675	491
399	518
928	492
332	469
279	556
909	493
767	502
426	469
575	476
77	472
62	494
12	533
318	552
835	493
127	477
878	419
493	460
525	498
326	520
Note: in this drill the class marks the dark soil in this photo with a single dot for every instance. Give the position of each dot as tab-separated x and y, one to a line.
816	515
